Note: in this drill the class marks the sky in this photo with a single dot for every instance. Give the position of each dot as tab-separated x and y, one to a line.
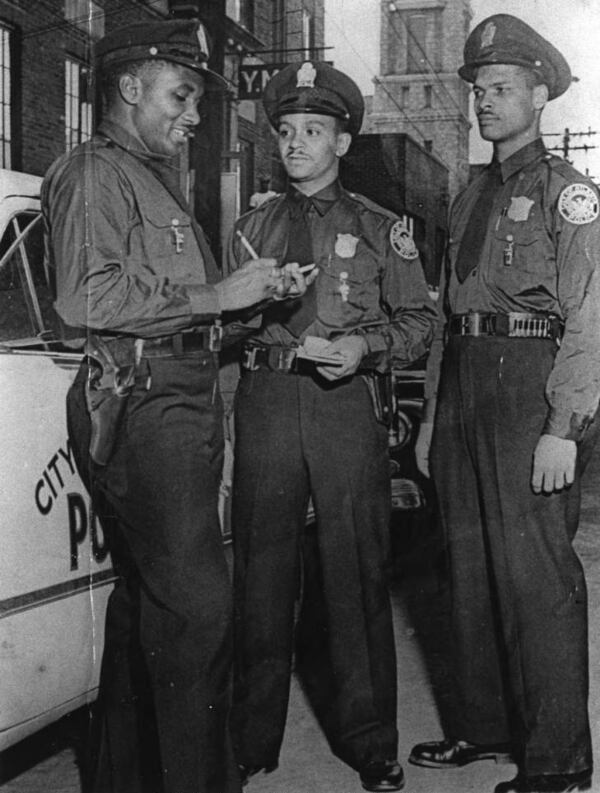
352	29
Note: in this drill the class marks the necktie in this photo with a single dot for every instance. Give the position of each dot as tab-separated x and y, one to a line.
297	315
473	239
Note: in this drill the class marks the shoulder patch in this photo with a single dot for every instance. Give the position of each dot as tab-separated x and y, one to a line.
402	242
578	204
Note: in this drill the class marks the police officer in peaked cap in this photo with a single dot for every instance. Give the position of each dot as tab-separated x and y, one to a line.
512	427
314	428
135	276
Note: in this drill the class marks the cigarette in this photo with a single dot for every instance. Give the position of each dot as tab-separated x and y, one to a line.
306	268
247	245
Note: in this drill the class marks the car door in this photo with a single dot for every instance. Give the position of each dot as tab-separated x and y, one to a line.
55	569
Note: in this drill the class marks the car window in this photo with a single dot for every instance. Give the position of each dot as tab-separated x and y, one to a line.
25	296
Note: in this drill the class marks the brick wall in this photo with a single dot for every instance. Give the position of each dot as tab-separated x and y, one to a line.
42	38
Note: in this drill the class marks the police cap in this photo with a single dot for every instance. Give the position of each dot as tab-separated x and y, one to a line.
183	41
503	38
314	87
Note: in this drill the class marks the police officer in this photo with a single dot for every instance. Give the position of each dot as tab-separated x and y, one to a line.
308	429
518	390
135	275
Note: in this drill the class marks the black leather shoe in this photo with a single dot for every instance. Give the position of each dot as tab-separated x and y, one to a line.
382	775
246	771
454	754
547	783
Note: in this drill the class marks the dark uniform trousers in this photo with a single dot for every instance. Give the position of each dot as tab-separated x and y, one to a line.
169	618
517	587
298	436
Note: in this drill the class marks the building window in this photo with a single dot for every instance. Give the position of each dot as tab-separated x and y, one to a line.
404	96
308	34
5	104
86	15
428	145
78	108
241	11
427	94
423	41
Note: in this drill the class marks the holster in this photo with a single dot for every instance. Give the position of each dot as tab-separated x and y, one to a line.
107	389
382	397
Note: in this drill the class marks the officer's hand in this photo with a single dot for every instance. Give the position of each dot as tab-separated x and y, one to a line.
422	447
294	283
351	350
553	464
257	280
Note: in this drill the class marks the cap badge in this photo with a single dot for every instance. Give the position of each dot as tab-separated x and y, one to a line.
578	204
402	241
202	40
487	37
345	245
306	76
519	208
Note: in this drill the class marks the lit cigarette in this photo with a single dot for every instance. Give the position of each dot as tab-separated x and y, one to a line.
306	268
247	245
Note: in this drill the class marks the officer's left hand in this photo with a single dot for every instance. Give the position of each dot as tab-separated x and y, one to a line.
351	350
553	464
292	282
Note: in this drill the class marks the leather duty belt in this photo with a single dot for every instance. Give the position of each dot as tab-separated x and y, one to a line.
515	325
206	339
277	358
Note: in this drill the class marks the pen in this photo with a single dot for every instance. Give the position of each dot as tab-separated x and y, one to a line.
247	245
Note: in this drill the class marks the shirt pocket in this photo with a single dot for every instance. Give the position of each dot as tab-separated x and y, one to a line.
168	235
349	291
519	247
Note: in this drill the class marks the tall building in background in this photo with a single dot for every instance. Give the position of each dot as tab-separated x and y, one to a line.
418	91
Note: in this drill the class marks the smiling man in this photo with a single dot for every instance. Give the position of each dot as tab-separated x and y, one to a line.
134	274
316	428
514	427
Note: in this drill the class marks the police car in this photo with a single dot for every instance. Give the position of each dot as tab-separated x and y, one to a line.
55	570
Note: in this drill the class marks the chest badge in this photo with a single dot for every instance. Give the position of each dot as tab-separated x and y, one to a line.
345	245
344	287
578	204
177	236
402	242
519	208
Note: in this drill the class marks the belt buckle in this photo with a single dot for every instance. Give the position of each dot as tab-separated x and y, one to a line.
470	324
215	337
285	359
249	358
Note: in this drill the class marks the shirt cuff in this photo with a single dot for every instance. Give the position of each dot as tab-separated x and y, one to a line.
204	301
378	356
567	425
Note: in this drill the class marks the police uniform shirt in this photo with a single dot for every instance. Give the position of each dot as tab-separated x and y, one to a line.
540	254
128	257
370	278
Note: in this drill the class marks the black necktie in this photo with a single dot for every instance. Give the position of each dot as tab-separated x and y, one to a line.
297	315
473	239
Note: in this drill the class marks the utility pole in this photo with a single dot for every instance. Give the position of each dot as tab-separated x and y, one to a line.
566	146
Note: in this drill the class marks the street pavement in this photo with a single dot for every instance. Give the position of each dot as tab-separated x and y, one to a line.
49	764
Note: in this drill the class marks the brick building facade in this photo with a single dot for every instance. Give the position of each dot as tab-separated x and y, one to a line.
418	91
47	102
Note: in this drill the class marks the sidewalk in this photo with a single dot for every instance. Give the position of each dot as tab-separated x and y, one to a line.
307	765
